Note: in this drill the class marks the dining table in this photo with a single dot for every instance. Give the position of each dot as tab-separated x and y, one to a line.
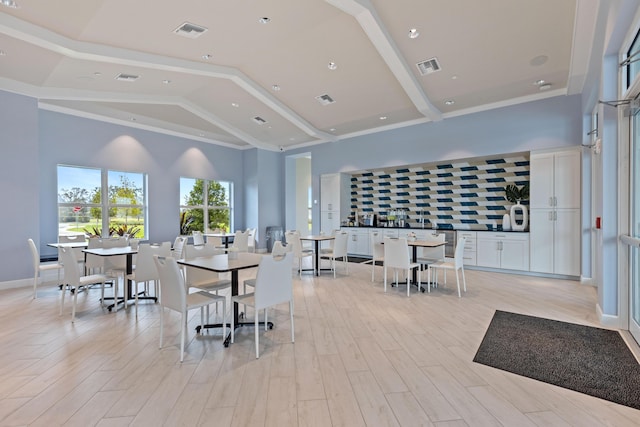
317	238
128	252
415	244
225	263
224	236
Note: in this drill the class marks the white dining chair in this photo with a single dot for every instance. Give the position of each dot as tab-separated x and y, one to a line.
75	281
457	265
339	252
39	268
427	256
198	237
146	270
174	296
396	256
293	239
377	251
274	285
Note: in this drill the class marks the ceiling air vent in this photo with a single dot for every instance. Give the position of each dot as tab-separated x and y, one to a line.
127	77
325	99
259	120
429	66
189	30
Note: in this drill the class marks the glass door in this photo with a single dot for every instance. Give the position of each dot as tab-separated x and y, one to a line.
634	282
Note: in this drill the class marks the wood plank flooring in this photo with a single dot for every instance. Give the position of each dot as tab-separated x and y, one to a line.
362	357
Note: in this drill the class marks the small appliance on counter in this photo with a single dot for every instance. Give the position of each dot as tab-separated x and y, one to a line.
370	220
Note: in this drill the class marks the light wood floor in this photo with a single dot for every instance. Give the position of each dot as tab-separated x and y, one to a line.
361	357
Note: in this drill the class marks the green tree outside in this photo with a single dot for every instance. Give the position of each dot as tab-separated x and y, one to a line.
217	197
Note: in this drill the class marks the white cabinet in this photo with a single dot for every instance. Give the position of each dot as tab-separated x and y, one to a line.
359	242
503	250
335	193
470	245
555	212
555	241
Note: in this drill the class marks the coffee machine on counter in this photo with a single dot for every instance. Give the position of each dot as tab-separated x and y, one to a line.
370	220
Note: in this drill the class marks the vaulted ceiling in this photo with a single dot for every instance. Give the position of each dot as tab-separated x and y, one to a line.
277	74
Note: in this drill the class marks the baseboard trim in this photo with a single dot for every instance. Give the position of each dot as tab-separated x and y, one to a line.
608	320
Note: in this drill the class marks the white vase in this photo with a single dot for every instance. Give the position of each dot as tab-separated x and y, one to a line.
519	224
506	222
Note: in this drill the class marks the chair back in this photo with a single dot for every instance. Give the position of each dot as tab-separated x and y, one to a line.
459	253
115	262
433	254
195	275
198	237
178	247
377	247
396	253
241	241
73	238
172	287
34	255
278	249
340	244
274	281
293	240
70	263
251	241
145	267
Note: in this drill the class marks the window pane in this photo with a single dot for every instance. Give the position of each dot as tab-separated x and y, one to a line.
78	189
219	218
126	188
633	54
126	221
218	193
189	192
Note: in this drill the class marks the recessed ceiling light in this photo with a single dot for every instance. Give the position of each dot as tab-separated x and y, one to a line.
449	102
97	74
454	77
332	130
275	87
3	53
207	56
413	33
166	81
383	117
292	139
201	134
235	104
539	82
133	119
264	20
10	3
332	66
546	86
539	60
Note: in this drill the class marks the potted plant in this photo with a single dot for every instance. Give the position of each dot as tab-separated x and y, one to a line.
515	194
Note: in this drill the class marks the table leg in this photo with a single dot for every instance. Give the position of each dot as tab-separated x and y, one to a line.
317	266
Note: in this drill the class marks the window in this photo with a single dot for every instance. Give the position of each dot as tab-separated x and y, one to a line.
633	60
205	205
81	206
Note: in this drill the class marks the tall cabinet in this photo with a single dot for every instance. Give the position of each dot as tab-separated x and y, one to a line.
335	196
555	212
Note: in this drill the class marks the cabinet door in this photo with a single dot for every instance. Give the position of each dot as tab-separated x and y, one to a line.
541	240
515	254
330	192
329	221
567	180
363	244
541	186
567	242
488	253
352	242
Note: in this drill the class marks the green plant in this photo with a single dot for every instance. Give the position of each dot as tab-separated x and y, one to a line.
120	230
514	194
186	219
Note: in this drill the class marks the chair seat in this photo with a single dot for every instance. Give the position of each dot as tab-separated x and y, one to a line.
47	267
93	278
215	285
246	299
202	298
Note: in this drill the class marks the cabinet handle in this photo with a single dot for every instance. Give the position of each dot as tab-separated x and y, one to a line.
330	206
550	201
330	215
555	201
550	216
555	216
